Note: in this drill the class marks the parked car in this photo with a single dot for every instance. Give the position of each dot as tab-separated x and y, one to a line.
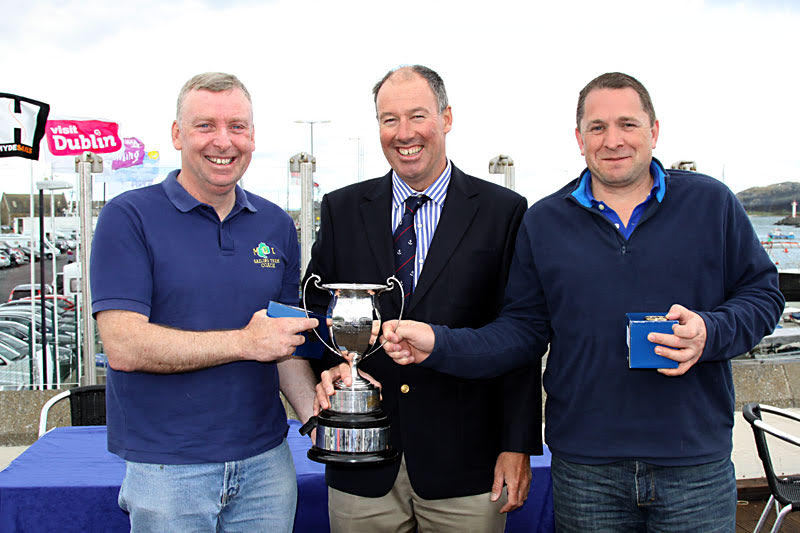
15	343
14	251
64	304
66	319
5	260
14	374
66	337
16	257
24	291
15	335
25	304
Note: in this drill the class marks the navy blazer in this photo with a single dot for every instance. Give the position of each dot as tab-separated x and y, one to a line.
450	429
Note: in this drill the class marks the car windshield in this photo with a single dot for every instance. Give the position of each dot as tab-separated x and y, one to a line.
20	293
12	341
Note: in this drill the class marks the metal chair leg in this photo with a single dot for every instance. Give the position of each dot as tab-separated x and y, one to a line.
764	513
779	519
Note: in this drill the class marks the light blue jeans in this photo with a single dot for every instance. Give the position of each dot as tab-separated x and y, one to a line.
254	494
633	496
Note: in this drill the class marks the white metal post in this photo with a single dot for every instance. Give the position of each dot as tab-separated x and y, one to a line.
85	165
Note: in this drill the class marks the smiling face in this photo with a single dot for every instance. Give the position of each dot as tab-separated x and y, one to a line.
411	128
216	138
616	138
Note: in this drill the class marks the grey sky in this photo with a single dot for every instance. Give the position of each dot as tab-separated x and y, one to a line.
722	76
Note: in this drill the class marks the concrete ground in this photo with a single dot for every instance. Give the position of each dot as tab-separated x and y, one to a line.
785	457
9	453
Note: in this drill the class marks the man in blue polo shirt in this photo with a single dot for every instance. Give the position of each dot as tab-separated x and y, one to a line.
181	273
633	450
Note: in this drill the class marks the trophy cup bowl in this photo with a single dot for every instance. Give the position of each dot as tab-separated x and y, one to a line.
354	430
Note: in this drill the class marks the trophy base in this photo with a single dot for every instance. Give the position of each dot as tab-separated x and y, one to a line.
352	459
350	439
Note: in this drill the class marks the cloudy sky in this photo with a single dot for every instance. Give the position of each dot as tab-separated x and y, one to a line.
723	76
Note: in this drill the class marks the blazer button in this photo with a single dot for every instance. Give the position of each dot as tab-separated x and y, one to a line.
404	388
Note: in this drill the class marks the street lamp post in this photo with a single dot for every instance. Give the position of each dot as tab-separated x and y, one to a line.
359	158
311	123
51	186
305	165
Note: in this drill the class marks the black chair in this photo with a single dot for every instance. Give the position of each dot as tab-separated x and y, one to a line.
784	491
87	406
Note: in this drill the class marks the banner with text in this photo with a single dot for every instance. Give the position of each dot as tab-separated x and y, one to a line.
73	137
132	156
22	125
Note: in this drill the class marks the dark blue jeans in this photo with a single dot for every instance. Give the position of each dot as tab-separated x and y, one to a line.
632	496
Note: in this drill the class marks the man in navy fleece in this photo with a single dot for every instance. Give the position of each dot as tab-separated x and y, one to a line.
633	450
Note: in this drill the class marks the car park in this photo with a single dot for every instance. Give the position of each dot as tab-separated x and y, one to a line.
15	256
14	252
22	332
24	245
65	336
66	319
15	348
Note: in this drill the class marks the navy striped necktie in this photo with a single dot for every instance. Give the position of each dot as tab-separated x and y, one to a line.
405	244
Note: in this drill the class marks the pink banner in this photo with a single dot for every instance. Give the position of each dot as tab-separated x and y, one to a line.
132	156
73	137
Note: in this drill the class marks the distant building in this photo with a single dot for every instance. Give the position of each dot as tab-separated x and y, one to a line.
13	206
15	213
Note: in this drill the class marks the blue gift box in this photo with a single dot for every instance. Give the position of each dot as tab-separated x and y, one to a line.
640	350
312	348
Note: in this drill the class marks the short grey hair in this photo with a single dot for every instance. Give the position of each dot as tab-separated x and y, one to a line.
616	80
435	82
216	82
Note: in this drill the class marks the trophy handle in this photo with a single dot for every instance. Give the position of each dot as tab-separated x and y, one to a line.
316	279
392	282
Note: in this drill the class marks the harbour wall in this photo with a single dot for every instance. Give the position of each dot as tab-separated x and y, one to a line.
772	381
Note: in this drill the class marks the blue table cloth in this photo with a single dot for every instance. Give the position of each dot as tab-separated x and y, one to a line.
67	481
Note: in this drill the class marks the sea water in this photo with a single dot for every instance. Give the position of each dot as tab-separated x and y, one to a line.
784	253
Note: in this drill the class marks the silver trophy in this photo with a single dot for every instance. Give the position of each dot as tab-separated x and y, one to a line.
355	430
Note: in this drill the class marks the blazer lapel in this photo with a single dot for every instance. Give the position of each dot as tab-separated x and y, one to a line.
376	214
459	209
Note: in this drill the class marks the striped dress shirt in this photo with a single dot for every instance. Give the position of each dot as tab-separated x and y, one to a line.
427	217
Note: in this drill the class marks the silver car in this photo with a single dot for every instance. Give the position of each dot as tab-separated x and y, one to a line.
14	373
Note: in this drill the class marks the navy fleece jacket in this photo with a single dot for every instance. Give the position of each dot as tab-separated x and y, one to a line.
573	278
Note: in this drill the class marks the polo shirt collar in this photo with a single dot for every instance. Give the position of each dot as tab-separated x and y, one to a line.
583	192
437	191
185	202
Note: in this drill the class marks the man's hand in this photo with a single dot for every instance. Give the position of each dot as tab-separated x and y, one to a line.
273	339
411	342
686	343
325	387
513	469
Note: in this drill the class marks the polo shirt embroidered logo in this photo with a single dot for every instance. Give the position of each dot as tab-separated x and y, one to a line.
263	250
264	253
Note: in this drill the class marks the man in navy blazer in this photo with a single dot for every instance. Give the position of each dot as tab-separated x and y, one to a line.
461	440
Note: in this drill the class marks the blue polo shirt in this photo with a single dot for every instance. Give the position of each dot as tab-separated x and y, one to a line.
583	193
159	252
